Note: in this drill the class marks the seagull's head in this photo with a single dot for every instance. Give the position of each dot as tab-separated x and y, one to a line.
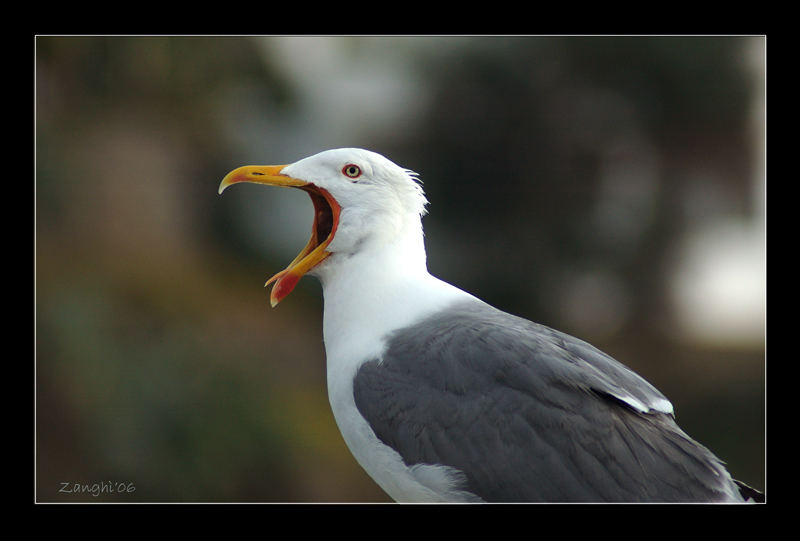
360	198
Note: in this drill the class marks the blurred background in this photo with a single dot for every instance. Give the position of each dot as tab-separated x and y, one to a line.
611	187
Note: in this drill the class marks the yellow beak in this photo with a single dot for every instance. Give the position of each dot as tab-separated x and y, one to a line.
326	220
260	174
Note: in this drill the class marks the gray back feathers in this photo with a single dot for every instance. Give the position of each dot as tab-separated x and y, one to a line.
530	414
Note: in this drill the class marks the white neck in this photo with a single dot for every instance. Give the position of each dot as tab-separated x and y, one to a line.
384	286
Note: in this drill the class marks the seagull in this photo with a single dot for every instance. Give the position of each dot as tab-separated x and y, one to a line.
442	397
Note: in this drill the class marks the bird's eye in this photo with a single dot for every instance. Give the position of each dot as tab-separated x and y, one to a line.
351	170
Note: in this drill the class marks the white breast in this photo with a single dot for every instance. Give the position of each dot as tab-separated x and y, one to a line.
360	311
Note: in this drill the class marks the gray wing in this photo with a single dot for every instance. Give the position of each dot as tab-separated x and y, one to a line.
530	414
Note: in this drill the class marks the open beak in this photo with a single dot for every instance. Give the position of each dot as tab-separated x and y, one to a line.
326	220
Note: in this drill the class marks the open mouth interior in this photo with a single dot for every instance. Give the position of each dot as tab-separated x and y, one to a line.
326	217
323	215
